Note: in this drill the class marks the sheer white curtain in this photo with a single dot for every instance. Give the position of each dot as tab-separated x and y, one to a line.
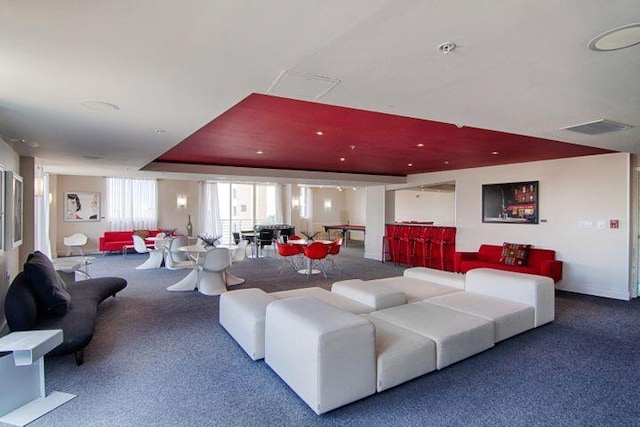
209	213
279	211
132	204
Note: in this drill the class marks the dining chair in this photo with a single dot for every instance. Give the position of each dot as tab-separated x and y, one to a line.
155	255
159	241
75	242
316	253
334	249
174	259
265	238
240	253
212	277
288	253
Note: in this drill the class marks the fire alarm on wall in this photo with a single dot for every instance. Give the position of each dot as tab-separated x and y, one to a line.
613	223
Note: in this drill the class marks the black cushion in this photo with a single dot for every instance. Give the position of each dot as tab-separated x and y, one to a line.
49	289
20	307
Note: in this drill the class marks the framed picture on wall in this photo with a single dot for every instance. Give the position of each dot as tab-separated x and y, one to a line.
81	206
13	209
2	213
513	202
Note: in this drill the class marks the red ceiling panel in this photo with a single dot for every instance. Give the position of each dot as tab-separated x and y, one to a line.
285	132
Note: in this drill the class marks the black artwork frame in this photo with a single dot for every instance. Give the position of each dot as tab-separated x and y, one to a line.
511	203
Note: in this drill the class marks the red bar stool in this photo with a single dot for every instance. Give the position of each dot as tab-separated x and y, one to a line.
422	246
387	242
401	244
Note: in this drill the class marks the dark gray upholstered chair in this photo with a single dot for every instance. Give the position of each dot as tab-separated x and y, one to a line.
26	310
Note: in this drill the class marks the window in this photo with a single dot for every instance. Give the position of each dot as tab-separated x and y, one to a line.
131	204
241	206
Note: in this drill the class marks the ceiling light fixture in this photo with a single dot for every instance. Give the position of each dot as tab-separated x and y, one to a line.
420	145
258	152
495	153
160	130
342	159
447	47
319	133
617	38
99	106
410	164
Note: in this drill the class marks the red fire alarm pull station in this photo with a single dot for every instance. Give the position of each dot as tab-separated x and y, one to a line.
613	223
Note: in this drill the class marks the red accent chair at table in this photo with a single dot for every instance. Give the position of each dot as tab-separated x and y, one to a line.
334	250
316	252
289	253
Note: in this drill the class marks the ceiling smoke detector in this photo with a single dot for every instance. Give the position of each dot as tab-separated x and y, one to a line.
446	47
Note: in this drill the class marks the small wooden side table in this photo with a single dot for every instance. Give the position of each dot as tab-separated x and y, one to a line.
22	385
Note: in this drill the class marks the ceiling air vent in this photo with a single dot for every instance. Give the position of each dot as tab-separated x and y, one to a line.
300	85
597	127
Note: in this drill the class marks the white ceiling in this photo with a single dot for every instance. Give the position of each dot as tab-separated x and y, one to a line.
520	67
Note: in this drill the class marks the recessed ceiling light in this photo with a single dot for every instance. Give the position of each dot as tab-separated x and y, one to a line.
495	152
420	145
160	131
99	106
319	133
342	159
446	162
617	38
258	152
410	164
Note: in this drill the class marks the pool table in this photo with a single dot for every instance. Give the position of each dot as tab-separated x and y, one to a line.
346	230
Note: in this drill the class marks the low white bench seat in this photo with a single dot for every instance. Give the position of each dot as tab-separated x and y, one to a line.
373	295
326	355
510	318
457	335
401	355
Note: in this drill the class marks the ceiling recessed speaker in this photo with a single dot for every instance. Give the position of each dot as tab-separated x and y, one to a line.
301	85
597	127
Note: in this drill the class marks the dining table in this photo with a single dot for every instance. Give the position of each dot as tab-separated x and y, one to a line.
306	242
192	280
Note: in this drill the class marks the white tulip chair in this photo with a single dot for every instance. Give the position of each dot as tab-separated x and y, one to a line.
155	255
212	276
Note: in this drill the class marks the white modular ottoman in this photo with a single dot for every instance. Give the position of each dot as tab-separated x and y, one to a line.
326	355
401	355
457	335
440	277
242	314
373	295
509	317
338	301
414	289
536	291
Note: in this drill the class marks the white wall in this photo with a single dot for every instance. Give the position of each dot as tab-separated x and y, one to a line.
593	188
439	207
169	215
9	265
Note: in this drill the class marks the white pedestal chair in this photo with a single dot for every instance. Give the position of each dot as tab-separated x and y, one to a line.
237	255
212	276
76	241
155	255
174	259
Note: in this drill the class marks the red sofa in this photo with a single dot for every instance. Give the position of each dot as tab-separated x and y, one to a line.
116	240
541	261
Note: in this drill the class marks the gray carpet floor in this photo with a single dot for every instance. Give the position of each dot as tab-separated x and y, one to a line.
160	358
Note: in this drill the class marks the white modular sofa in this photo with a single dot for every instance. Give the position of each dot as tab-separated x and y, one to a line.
333	348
